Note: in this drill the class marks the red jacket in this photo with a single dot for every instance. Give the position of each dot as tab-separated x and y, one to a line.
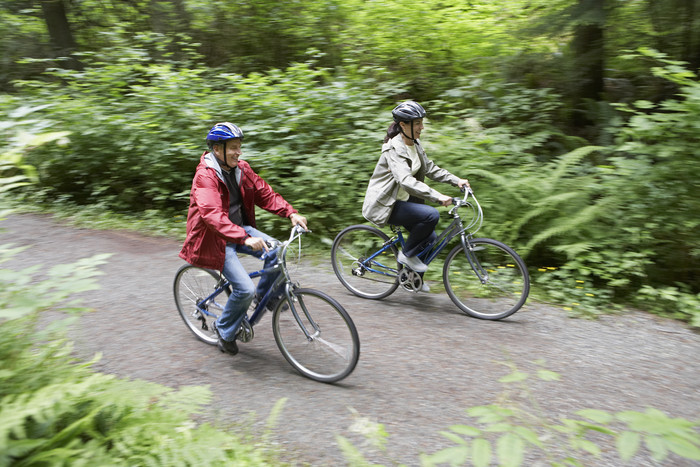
208	225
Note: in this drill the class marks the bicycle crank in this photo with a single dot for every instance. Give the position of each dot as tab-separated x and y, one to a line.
410	280
245	333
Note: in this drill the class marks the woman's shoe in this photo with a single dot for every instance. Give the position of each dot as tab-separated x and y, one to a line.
412	262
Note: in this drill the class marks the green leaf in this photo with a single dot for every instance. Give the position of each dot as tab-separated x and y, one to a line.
628	444
515	376
657	446
683	448
510	450
481	452
547	375
598	416
456	455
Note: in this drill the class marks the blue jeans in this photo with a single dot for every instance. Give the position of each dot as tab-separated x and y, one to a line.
420	221
243	289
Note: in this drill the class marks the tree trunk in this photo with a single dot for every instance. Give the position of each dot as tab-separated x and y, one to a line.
587	47
60	33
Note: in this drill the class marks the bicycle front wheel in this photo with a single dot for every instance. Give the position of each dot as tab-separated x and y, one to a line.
360	266
489	282
192	286
332	348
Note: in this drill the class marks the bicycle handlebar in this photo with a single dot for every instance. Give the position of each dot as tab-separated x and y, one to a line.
462	201
478	215
296	232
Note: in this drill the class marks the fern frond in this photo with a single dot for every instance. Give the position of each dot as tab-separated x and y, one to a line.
573	249
569	224
566	161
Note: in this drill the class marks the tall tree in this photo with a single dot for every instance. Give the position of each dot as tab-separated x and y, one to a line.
588	51
60	32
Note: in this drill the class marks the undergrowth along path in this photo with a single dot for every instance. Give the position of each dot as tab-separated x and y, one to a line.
422	362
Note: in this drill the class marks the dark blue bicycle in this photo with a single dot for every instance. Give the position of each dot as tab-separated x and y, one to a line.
484	278
312	330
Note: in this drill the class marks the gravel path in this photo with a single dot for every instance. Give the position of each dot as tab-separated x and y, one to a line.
422	362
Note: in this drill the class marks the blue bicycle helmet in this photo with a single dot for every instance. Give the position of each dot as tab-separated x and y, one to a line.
224	131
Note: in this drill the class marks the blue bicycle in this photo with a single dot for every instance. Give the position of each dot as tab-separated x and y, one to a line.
485	278
312	330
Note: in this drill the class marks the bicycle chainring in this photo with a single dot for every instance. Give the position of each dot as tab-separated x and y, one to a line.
245	333
410	280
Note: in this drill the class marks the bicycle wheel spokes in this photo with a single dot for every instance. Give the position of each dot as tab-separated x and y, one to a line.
331	351
192	285
493	286
358	266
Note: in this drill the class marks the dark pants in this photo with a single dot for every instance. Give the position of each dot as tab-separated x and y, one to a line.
419	219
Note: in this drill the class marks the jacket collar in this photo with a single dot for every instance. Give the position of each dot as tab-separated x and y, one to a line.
397	143
211	162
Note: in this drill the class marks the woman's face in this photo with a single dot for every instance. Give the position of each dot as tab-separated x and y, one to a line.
417	125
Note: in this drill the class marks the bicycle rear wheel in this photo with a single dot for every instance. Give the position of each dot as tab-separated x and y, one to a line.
374	278
191	286
504	286
333	348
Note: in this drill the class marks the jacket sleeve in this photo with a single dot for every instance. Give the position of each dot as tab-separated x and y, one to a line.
210	204
268	199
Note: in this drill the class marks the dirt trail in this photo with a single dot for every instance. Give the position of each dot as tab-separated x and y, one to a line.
422	362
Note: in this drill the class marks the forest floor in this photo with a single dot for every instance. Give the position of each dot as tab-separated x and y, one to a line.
422	362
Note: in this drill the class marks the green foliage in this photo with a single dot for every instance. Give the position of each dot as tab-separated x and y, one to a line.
55	410
515	427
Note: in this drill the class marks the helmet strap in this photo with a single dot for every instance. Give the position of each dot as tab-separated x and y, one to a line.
412	134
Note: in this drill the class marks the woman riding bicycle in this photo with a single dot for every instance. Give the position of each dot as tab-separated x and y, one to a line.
397	192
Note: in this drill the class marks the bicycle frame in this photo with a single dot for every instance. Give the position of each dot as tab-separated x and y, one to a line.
282	279
455	228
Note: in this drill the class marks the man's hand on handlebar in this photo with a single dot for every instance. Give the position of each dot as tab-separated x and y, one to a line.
256	243
298	219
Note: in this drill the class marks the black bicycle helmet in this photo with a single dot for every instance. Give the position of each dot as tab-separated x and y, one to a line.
408	111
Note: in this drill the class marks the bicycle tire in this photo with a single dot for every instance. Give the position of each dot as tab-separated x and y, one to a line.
191	285
505	290
333	350
350	247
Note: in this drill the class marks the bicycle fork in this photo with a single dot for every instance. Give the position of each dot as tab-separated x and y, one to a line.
292	298
478	269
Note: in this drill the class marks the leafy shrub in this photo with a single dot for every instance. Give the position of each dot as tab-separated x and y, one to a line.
55	410
515	427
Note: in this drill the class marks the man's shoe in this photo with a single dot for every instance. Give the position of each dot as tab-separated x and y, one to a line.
412	262
229	347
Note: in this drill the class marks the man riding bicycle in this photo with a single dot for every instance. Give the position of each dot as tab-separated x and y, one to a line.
221	224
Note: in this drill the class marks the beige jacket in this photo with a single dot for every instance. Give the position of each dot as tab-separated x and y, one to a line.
393	171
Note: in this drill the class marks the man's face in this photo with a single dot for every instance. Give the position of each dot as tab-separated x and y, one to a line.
233	152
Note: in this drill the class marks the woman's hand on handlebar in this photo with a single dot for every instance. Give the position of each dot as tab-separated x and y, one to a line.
445	200
463	184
